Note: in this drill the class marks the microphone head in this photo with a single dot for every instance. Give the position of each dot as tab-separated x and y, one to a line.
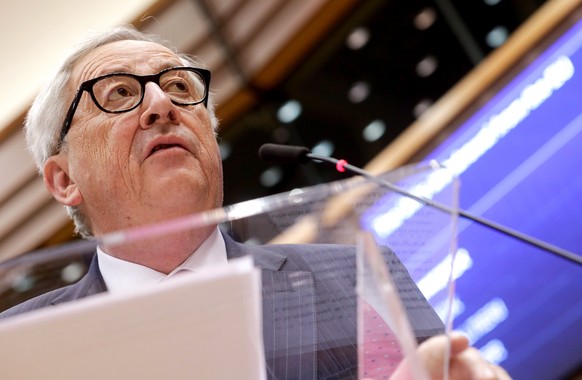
284	153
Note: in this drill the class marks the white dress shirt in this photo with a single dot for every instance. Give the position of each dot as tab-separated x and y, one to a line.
120	275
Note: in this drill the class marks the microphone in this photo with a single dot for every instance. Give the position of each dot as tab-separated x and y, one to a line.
298	154
284	153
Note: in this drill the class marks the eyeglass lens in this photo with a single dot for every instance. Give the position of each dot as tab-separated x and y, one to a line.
121	92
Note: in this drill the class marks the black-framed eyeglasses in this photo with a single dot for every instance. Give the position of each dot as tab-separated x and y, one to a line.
123	92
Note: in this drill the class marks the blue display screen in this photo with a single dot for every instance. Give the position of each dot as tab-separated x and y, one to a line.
519	160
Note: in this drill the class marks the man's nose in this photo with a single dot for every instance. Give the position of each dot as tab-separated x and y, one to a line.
158	107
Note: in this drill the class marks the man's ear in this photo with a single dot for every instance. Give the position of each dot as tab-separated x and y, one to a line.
58	182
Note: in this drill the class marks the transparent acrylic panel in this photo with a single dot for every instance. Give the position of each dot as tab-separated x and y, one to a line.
418	222
326	256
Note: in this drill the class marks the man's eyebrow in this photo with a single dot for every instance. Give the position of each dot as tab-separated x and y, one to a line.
121	68
165	63
113	69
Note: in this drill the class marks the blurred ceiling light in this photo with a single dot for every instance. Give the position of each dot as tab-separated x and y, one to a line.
271	176
421	107
22	283
324	148
427	66
289	111
497	36
358	38
72	272
373	131
225	150
359	92
425	18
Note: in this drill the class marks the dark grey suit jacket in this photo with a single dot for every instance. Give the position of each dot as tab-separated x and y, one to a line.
309	307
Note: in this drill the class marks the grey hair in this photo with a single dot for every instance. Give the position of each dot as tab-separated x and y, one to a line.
46	115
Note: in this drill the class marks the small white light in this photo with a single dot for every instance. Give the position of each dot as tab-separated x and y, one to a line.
425	19
324	148
427	66
271	177
289	111
72	272
22	283
492	2
497	36
359	92
374	130
421	107
225	150
358	38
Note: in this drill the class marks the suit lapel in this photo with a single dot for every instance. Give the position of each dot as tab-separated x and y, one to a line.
91	283
289	327
289	314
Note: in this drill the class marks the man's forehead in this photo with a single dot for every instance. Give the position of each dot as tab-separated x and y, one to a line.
128	56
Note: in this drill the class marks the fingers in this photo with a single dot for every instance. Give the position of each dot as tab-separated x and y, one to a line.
459	342
433	351
469	364
500	373
465	362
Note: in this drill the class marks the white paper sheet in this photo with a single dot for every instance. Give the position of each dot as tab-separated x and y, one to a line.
206	325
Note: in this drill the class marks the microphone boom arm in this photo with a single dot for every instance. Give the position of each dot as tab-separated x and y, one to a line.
565	254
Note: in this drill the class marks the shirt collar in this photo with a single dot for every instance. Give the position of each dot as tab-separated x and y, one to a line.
120	275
